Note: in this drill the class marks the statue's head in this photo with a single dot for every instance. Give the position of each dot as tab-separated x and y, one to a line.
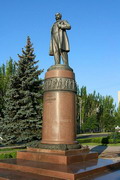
58	16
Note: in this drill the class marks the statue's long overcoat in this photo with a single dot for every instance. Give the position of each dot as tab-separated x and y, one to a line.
62	42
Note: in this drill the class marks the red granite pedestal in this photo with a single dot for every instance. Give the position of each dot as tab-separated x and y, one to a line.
59	156
59	106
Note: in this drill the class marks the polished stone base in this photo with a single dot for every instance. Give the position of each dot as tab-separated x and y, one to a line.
87	170
45	164
57	156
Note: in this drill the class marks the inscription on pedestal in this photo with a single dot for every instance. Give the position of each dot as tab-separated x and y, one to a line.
63	84
50	99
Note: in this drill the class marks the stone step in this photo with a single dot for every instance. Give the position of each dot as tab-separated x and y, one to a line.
105	175
38	168
56	158
84	149
71	172
8	174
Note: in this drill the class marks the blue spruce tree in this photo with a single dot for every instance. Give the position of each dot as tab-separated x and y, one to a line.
23	107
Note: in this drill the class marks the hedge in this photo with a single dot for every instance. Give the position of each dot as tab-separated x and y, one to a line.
100	140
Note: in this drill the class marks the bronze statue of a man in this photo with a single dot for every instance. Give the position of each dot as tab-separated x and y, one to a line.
59	45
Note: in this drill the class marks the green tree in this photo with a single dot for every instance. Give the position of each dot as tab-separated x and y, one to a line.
95	113
23	107
90	124
117	116
2	88
108	114
81	107
10	68
5	72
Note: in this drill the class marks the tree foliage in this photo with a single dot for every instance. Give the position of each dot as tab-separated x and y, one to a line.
23	104
5	72
95	113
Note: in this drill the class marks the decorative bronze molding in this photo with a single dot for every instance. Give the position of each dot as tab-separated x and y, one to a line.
62	147
61	84
61	67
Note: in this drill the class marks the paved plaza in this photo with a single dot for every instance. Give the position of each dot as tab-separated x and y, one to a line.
110	152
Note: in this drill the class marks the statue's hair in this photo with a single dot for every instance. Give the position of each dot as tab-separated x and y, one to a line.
58	14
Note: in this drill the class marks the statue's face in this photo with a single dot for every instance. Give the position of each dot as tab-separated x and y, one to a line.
58	16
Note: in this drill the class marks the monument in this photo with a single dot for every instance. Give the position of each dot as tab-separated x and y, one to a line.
59	155
59	112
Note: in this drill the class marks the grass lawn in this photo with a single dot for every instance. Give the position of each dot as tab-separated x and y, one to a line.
10	149
6	153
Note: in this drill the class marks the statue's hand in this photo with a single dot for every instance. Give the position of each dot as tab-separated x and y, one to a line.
64	25
59	25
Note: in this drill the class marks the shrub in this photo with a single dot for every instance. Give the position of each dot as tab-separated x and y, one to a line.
91	140
114	137
100	140
105	140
